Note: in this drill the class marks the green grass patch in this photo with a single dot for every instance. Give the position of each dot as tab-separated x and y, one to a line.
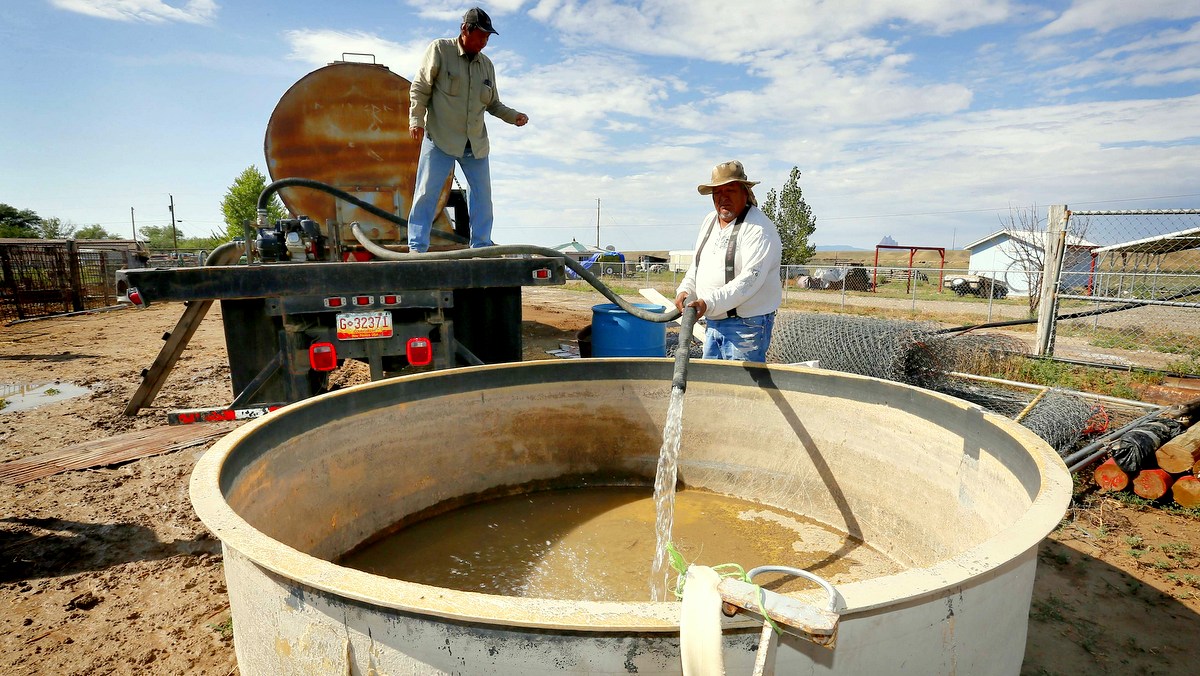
1123	384
224	628
1189	365
1049	609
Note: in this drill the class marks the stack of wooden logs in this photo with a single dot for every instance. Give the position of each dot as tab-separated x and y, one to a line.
1173	470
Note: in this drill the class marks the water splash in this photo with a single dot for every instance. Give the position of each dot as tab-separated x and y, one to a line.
664	495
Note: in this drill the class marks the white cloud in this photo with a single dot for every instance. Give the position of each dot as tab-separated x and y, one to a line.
320	47
452	10
150	11
1103	16
645	97
718	31
1166	57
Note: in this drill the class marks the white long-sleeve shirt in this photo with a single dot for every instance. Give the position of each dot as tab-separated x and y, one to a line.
755	288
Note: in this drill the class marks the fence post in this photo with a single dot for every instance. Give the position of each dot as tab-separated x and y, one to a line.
991	294
76	277
1055	243
10	281
845	274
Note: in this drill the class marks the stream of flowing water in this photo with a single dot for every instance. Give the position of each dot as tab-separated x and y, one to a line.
664	496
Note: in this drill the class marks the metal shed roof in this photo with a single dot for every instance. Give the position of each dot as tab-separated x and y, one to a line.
1160	244
1034	239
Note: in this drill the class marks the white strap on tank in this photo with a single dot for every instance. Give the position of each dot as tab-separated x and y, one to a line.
700	644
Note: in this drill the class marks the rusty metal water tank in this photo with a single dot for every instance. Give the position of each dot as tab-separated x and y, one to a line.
346	125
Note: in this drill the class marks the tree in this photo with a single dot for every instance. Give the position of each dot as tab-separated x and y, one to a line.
160	237
793	219
1028	234
55	228
94	231
16	222
241	202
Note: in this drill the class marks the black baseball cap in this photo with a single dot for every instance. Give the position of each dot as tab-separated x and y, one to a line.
480	18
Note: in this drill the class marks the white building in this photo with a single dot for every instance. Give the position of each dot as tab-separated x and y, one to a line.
1011	255
680	261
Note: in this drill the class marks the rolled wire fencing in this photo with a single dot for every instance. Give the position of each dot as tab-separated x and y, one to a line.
916	353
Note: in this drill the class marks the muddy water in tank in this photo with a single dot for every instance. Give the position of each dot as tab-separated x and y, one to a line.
595	544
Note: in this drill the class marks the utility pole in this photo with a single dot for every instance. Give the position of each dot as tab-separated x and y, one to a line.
597	222
174	232
133	224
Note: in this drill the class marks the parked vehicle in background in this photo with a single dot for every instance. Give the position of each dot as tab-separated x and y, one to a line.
976	285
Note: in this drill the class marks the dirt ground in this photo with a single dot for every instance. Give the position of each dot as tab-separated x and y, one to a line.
108	570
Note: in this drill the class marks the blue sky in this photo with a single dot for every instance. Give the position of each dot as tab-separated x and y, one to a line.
925	120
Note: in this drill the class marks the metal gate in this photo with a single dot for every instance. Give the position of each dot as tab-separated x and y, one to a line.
46	277
1140	291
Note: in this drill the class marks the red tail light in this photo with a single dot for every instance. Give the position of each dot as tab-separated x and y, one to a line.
135	297
322	357
420	351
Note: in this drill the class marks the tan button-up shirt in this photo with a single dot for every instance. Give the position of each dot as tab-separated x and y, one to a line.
449	96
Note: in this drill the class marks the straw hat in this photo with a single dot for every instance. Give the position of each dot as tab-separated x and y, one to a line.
729	172
726	172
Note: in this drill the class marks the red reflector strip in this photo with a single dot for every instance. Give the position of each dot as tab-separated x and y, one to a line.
202	415
335	302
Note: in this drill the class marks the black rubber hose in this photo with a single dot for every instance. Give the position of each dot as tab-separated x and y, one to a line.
264	198
679	377
224	254
1078	315
670	314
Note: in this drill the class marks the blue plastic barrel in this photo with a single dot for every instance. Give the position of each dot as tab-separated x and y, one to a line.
616	333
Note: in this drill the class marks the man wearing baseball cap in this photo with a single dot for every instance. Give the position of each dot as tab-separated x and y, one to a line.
734	278
454	87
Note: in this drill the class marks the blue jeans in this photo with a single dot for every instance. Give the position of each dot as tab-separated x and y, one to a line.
739	338
433	168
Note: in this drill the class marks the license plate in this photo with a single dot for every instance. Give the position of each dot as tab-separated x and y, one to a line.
364	325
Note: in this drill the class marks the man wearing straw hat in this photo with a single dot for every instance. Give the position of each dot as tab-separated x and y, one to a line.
733	281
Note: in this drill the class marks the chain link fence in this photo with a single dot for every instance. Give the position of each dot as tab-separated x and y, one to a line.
1141	291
